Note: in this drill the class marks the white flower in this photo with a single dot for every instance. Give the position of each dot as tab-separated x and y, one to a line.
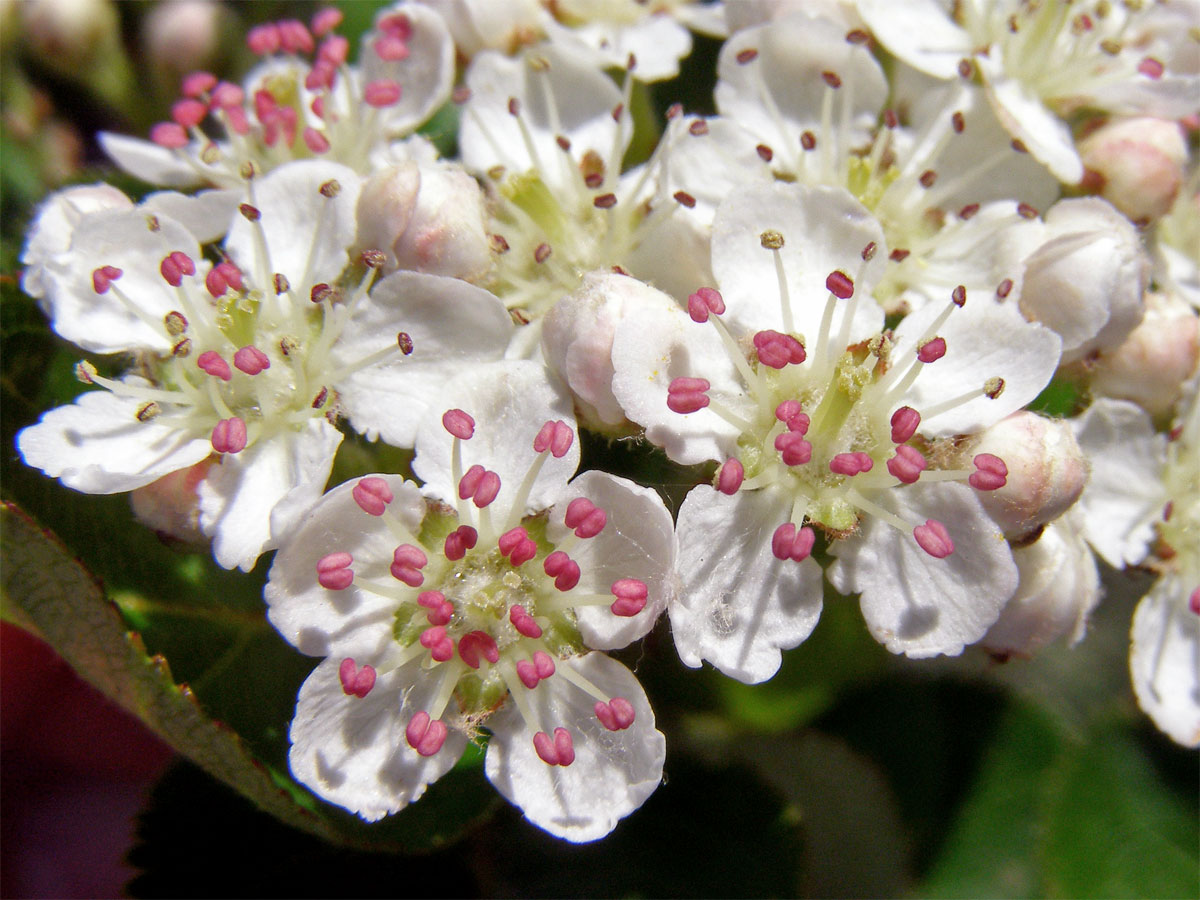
482	604
248	358
1042	61
293	108
823	421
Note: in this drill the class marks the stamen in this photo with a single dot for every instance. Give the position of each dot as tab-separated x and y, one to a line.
585	518
473	643
334	572
517	546
251	360
850	464
559	752
372	494
459	424
934	539
730	478
777	350
907	465
564	570
789	413
687	395
991	473
355	681
407	561
704	302
932	350
425	736
793	448
103	277
175	266
615	715
905	422
459	541
631	597
229	435
524	622
441	610
792	543
212	363
479	485
439	644
556	437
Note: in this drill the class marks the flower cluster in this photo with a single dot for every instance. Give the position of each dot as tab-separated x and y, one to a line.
840	296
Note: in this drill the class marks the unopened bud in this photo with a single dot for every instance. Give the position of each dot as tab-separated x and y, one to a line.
1138	163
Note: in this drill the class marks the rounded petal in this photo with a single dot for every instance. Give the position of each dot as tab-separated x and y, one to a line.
1163	660
738	605
426	74
98	446
918	605
206	215
353	751
920	32
613	772
638	541
148	161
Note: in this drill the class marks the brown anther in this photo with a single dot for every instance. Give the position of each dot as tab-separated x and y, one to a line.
698	128
84	371
890	119
868	252
959	295
288	345
831	79
957	122
182	349
373	259
857	36
461	95
808	140
993	387
564	143
1014	24
968	211
617	112
148	411
319	400
498	243
1004	289
594	180
331	188
538	63
248	170
405	343
250	212
683	198
320	293
928	177
175	322
210	154
152	223
1111	47
605	201
674	111
747	55
1025	211
619	269
966	68
898	255
771	240
1019	145
765	153
631	62
541	253
495	173
519	317
514	106
282	286
591	166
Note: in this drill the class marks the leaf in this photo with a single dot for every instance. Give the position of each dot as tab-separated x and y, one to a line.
69	610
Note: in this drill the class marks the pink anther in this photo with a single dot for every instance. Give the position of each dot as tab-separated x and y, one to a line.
544	664
731	476
705	302
788	412
439	644
789	542
585	518
990	473
189	113
932	350
263	40
315	141
907	465
212	363
459	541
1194	601
528	674
318	106
103	277
564	570
424	736
229	435
473	643
615	715
1151	68
793	448
334	572
294	37
320	77
390	48
222	277
557	752
171	135
174	266
372	495
226	95
687	395
851	463
517	546
441	610
407	562
333	51
905	421
556	437
479	485
840	284
251	360
355	681
631	597
383	92
235	120
523	622
325	20
397	24
459	424
777	350
934	539
198	83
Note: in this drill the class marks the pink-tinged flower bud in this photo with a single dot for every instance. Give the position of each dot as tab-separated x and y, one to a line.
184	36
577	341
1058	589
1137	163
426	218
1046	471
1151	365
170	506
70	36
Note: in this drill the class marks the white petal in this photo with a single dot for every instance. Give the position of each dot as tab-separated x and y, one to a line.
353	751
613	772
657	42
426	75
738	605
920	32
150	162
510	401
98	446
453	325
913	603
241	494
638	541
1164	660
824	229
1125	495
306	233
206	215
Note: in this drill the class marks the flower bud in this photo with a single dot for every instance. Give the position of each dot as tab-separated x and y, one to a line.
577	339
426	218
69	34
1046	472
1151	365
1138	164
1085	277
171	507
1058	589
182	36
